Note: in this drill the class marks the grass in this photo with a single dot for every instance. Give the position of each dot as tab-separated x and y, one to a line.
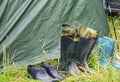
117	27
98	73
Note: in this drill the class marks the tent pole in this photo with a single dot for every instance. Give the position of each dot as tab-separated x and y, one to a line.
114	29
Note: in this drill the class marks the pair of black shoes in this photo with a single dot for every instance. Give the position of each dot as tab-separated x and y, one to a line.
46	72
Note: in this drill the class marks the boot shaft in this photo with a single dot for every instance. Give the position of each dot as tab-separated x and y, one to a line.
67	52
75	51
83	49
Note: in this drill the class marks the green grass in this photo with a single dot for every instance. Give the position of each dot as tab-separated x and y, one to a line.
97	74
117	27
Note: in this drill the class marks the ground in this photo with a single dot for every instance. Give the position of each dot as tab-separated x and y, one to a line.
98	73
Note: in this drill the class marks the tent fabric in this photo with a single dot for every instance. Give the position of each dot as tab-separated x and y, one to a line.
30	29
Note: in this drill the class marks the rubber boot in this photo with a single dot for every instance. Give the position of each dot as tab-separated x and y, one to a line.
106	52
83	49
67	53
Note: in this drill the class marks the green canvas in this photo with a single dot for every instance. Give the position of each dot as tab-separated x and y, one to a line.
30	29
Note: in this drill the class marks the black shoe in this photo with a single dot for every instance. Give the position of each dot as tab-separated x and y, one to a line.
52	70
39	73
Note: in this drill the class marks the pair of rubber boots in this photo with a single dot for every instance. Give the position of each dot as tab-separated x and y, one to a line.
45	72
106	51
75	53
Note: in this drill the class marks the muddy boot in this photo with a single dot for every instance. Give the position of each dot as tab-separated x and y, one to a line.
67	52
83	49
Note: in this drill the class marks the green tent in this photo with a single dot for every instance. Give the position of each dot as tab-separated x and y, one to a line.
30	29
